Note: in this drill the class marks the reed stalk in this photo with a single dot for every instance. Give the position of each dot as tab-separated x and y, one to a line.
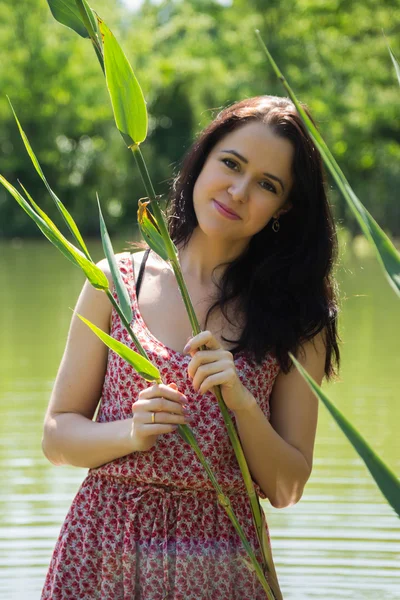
232	433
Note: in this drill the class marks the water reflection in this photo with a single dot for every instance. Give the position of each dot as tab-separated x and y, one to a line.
340	541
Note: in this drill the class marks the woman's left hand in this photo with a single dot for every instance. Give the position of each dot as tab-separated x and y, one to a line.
215	366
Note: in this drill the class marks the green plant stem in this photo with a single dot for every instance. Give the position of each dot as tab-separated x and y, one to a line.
89	26
233	436
187	434
143	171
138	345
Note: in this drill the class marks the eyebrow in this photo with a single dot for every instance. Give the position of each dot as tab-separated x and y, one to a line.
243	159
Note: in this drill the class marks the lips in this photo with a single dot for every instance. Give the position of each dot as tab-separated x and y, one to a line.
227	210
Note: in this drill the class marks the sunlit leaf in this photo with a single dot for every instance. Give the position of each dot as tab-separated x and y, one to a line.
123	296
143	366
150	231
67	13
385	479
87	16
64	212
388	256
127	99
94	274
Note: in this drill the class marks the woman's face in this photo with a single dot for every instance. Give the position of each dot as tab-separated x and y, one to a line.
248	172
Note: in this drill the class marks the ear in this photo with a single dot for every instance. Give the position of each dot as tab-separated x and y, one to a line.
282	211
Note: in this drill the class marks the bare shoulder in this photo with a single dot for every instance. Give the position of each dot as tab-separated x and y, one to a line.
105	267
154	264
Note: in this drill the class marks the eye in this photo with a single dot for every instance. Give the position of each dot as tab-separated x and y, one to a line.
266	185
231	164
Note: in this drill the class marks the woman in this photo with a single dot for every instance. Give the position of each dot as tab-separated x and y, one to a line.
256	241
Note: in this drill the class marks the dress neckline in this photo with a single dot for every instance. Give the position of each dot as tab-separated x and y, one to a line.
147	330
138	317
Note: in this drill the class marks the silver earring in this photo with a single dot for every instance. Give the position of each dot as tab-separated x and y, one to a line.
276	225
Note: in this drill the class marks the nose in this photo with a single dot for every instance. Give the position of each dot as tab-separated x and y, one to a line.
238	190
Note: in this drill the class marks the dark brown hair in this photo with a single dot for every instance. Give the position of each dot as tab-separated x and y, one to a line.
283	281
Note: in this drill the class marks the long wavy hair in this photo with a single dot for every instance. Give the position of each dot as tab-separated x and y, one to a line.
283	281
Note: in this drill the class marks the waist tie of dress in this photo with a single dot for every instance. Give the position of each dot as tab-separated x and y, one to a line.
168	493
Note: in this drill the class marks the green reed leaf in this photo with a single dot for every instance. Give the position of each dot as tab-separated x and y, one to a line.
94	274
122	292
388	256
67	13
88	19
150	230
64	212
143	366
384	478
127	98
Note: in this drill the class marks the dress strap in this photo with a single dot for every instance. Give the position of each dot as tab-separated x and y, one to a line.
141	271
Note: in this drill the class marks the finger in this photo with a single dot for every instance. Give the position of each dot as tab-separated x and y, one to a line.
165	405
213	380
204	338
162	390
159	405
207	356
158	429
206	370
165	418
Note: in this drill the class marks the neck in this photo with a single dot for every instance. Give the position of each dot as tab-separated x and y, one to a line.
202	254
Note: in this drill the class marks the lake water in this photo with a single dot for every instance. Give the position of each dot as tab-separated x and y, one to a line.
340	541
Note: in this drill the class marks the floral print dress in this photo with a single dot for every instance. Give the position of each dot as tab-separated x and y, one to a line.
148	526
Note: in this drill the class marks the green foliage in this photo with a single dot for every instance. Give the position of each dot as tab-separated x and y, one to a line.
387	254
67	13
192	58
384	478
150	230
127	99
95	275
142	365
64	213
122	292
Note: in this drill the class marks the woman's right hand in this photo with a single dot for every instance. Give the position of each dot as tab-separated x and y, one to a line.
170	409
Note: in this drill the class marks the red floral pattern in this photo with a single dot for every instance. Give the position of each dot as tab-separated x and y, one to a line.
148	526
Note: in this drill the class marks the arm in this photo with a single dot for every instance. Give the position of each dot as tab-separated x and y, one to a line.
70	436
280	452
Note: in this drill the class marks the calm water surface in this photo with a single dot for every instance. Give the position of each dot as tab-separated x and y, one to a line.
341	541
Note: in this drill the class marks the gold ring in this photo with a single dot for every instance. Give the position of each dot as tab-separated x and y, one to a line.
153	417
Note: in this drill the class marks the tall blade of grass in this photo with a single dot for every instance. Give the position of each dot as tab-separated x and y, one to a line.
121	290
64	212
47	227
126	95
388	256
67	13
384	478
141	364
